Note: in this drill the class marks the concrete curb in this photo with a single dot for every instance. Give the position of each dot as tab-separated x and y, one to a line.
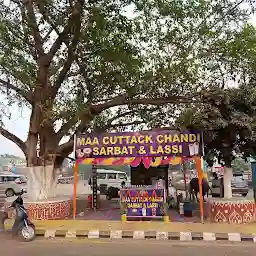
141	235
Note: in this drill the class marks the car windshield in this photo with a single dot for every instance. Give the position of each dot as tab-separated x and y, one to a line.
237	179
122	176
23	178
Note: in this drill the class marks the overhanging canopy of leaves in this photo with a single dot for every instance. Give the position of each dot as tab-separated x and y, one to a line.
228	122
240	166
228	117
73	61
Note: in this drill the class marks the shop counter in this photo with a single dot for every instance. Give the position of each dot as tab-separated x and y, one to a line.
143	202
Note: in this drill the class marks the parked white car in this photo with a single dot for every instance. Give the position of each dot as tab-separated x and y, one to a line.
110	178
12	183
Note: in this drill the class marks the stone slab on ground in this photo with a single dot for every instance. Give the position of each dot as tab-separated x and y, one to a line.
143	235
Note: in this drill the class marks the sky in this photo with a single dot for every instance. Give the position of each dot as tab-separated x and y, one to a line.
19	124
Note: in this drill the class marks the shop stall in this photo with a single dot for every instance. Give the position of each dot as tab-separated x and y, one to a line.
147	148
143	201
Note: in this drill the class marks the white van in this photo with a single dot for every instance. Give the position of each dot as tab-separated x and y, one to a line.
110	178
11	183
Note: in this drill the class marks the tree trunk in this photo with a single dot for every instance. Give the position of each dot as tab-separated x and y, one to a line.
42	182
228	174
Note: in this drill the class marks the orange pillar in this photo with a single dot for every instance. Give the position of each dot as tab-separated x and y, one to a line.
75	189
200	180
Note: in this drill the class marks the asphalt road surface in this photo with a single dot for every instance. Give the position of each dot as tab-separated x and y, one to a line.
41	247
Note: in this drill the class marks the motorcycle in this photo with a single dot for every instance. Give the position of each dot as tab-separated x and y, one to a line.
113	192
23	228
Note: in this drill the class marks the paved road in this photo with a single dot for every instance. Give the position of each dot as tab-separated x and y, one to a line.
124	248
84	189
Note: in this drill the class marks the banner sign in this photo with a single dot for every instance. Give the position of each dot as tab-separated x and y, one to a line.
139	144
142	202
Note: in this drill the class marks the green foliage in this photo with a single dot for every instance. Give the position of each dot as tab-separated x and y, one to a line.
228	120
228	115
147	52
240	165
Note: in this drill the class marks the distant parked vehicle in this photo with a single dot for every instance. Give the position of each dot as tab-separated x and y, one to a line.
65	180
239	186
109	178
12	183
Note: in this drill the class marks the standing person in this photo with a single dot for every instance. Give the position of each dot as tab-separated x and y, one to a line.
221	187
205	188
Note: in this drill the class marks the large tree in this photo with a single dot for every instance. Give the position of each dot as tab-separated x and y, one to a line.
228	116
105	64
228	122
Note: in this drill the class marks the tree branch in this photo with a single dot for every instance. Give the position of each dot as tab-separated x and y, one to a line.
65	40
118	125
71	53
90	112
26	95
21	144
46	16
75	16
66	148
19	78
34	27
124	100
26	34
110	121
46	37
85	119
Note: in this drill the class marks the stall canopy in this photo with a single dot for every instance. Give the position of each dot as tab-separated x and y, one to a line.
152	148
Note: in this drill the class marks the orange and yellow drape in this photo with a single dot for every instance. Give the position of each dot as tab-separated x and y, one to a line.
133	161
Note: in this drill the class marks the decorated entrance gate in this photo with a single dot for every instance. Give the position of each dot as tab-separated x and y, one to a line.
152	148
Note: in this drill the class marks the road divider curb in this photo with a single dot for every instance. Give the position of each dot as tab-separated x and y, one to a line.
142	235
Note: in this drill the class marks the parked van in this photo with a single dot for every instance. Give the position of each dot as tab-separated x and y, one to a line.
110	178
12	183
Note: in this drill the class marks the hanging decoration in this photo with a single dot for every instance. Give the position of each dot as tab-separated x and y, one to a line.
133	161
